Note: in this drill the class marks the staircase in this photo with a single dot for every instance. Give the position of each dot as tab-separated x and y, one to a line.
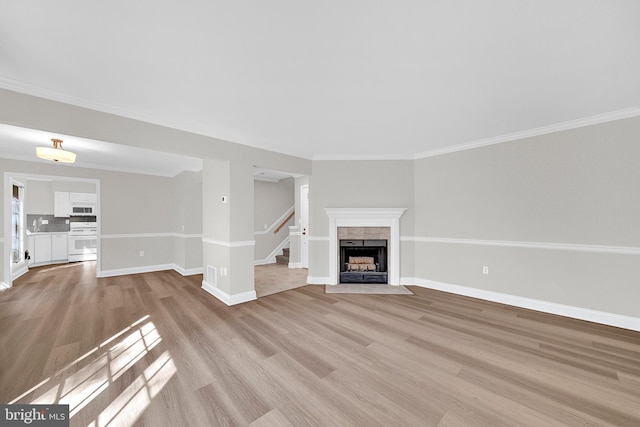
284	258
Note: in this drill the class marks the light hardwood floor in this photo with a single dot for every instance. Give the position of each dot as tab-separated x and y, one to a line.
273	278
156	350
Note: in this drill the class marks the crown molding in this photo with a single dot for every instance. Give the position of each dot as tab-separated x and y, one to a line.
543	130
33	90
362	157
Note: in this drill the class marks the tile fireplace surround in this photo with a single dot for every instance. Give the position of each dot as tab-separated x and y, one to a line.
367	218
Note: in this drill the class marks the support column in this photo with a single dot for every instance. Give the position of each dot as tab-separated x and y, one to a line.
227	242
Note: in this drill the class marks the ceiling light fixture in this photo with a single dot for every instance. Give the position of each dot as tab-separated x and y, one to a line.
57	153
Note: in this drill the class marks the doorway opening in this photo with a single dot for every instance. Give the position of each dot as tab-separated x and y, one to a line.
48	230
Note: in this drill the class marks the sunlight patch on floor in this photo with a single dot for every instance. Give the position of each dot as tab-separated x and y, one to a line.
125	409
120	353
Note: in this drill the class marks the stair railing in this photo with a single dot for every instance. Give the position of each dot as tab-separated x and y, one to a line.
284	222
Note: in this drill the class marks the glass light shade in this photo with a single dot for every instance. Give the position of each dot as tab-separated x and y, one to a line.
55	154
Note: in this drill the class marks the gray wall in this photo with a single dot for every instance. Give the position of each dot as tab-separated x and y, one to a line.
271	201
130	204
576	187
357	184
37	113
39	198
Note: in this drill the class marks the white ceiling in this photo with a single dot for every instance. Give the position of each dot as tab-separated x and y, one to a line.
331	79
20	144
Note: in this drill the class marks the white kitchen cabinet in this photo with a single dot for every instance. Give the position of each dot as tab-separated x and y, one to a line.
75	198
31	247
42	248
59	249
61	204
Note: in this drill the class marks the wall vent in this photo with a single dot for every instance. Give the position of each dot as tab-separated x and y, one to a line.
212	275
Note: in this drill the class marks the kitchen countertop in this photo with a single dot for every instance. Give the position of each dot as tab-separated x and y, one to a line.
44	233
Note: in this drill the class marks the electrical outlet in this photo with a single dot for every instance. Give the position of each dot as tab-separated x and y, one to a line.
141	253
485	270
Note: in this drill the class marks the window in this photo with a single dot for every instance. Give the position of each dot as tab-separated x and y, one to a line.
17	227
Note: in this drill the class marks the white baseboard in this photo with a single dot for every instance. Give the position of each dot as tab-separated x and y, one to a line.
22	269
611	319
265	261
318	280
295	265
134	270
188	271
225	297
149	269
4	286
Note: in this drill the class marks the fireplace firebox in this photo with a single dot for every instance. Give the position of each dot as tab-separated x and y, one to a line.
363	261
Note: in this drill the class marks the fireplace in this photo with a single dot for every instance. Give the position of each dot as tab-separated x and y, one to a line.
363	261
365	219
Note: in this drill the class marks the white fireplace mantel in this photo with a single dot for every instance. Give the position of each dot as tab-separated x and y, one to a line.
365	217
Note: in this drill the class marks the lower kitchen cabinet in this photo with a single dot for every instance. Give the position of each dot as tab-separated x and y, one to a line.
42	248
59	249
45	248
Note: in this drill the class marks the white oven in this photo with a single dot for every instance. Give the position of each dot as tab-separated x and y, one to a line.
83	241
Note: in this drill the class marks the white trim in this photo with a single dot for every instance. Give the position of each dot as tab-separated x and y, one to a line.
625	250
368	157
188	271
135	270
271	258
543	130
149	269
225	297
366	217
19	270
229	244
276	223
30	89
318	238
145	235
296	233
186	236
611	319
319	280
13	176
295	265
4	286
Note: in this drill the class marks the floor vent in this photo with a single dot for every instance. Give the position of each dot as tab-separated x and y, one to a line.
212	275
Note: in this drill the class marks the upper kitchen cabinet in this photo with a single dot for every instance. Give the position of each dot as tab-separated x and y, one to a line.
83	204
62	204
70	204
77	198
